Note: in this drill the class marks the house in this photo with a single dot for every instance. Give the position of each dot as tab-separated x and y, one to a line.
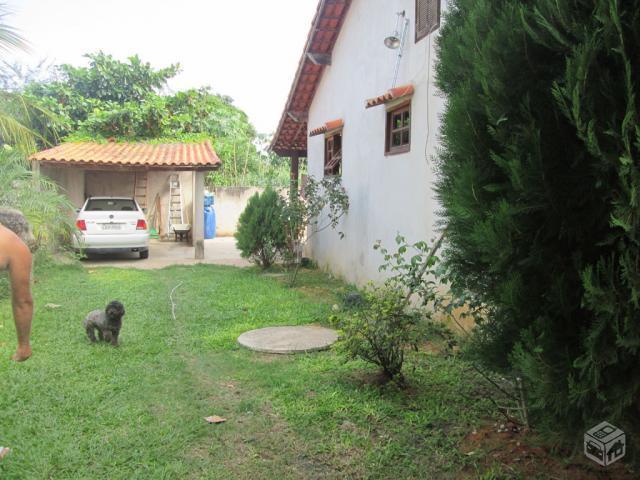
139	170
363	105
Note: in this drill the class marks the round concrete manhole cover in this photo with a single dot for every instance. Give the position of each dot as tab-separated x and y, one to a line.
286	340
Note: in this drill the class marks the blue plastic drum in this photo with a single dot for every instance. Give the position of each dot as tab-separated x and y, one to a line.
209	217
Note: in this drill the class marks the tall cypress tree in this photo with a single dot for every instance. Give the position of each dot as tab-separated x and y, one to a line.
540	185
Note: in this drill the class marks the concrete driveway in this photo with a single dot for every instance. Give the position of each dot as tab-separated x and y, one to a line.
219	251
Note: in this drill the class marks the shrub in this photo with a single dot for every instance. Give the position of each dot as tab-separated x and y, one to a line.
380	323
539	181
380	330
261	231
320	206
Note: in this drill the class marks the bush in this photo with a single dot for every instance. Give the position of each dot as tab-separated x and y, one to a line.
380	330
261	235
380	323
49	213
321	205
539	178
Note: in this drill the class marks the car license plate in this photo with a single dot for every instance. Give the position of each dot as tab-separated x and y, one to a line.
111	226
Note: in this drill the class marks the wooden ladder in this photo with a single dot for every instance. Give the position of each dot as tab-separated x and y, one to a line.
140	189
176	215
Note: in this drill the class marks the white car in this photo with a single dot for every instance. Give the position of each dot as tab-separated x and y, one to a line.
111	225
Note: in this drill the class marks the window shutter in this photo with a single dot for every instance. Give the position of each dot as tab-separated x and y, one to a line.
427	17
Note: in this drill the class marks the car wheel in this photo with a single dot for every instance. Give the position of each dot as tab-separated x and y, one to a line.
144	254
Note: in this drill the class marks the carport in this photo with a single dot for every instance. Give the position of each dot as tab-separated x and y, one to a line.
159	176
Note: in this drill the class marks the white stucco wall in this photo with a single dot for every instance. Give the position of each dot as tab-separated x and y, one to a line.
388	194
229	203
70	181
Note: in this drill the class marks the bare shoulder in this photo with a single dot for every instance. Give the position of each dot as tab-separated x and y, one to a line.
7	237
6	245
11	247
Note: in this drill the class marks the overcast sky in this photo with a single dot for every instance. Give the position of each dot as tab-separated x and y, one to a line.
247	49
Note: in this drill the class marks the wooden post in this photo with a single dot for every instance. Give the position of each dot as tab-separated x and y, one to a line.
197	229
295	169
35	169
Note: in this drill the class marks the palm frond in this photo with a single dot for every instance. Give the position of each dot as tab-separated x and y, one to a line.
24	124
14	133
10	39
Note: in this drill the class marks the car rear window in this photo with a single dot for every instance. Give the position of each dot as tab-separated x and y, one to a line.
111	205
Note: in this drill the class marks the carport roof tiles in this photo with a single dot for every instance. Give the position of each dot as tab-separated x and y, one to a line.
179	155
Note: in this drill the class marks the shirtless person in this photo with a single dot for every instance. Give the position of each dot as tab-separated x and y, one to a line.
15	256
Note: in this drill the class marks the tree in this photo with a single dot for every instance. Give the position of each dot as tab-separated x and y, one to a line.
111	80
539	178
10	39
108	98
20	118
14	77
125	100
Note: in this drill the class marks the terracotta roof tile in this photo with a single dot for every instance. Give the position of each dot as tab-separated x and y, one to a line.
177	155
291	135
327	127
393	94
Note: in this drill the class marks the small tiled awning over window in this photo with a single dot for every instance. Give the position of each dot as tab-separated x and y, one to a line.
397	93
331	126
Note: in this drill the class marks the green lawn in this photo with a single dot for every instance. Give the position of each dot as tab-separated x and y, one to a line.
82	411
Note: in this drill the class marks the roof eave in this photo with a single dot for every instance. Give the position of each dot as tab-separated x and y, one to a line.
131	166
72	154
307	56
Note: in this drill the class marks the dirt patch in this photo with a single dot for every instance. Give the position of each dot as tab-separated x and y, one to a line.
377	378
317	293
371	378
230	385
522	454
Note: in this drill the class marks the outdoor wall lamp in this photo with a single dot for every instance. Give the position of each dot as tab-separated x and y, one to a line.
394	40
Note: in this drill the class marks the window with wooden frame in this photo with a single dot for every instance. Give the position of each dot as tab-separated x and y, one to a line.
333	153
427	17
398	130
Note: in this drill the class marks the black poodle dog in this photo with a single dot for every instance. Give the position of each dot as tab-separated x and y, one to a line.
107	322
